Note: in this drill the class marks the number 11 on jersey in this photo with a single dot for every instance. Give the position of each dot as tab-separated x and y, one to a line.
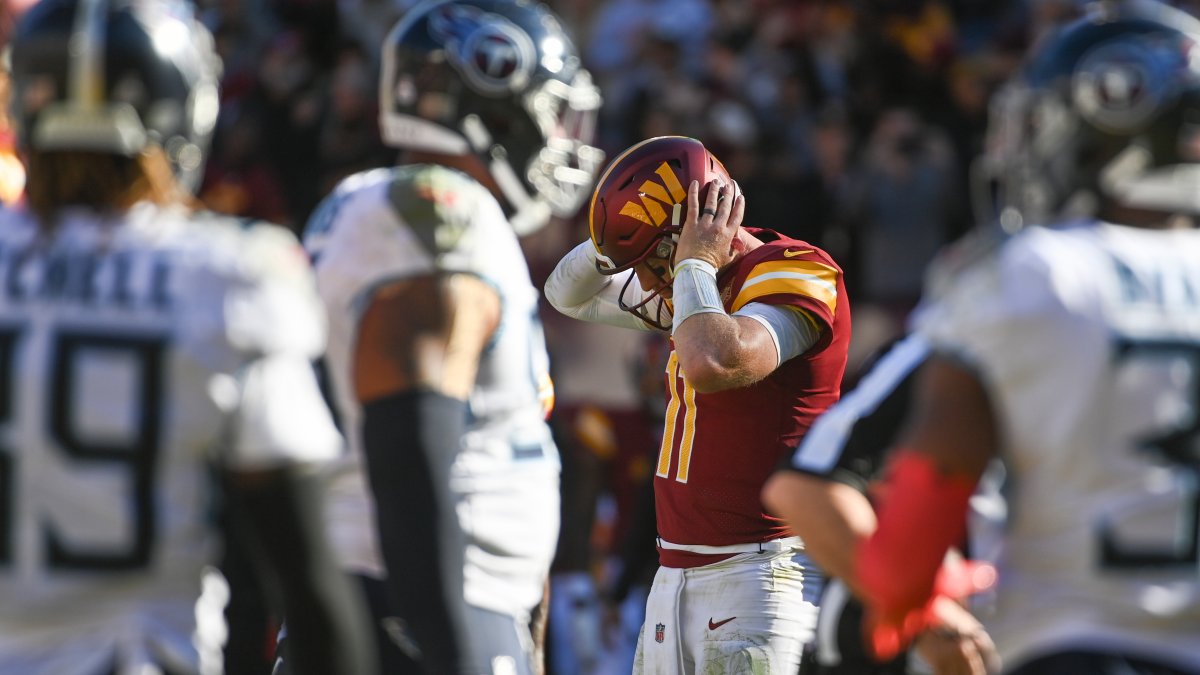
681	411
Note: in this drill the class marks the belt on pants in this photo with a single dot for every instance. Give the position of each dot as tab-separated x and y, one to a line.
751	547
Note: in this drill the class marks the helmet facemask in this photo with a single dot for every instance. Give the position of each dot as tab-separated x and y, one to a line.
653	308
559	174
500	81
1027	164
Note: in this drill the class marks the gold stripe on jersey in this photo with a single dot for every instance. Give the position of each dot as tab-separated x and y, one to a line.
797	277
812	321
668	439
689	432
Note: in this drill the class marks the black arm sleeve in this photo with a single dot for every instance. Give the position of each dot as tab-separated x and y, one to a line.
281	510
842	650
247	614
411	440
854	436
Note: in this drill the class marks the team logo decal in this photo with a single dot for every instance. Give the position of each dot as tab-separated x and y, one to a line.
1119	86
493	54
660	632
654	196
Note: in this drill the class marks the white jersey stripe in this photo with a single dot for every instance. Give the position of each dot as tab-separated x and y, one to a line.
822	447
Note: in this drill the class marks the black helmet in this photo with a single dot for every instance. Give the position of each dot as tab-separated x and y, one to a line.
500	79
1105	111
116	76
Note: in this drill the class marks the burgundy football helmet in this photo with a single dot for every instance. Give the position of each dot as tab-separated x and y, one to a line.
638	209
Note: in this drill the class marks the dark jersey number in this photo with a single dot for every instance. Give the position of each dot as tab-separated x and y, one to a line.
1179	447
8	341
136	456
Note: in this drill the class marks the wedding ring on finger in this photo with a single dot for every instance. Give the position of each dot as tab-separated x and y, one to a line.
708	212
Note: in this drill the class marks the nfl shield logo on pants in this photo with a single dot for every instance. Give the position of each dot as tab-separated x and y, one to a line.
660	631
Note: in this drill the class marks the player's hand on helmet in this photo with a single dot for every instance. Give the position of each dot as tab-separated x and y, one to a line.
956	643
709	228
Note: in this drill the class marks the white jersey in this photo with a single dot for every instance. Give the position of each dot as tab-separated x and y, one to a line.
388	224
1088	341
134	354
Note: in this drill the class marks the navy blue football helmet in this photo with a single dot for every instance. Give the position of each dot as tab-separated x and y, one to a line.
116	76
1106	111
500	79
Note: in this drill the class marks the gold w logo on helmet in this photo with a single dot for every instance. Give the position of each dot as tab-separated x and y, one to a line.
654	196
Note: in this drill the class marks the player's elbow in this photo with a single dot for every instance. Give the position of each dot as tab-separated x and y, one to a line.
707	373
775	493
568	306
560	306
794	497
722	358
784	493
556	296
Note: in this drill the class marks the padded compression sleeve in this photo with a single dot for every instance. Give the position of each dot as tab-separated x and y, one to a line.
792	330
411	440
577	290
922	515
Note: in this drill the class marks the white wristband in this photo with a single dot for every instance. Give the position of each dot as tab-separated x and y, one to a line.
694	291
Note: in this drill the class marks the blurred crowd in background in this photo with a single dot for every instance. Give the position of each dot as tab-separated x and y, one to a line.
849	123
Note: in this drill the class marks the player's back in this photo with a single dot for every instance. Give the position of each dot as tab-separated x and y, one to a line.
1089	340
401	222
122	344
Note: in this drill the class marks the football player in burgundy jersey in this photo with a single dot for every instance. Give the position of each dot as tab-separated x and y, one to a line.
1072	353
759	328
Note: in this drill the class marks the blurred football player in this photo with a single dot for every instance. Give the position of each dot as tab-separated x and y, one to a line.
759	327
823	492
1073	353
149	355
437	360
12	171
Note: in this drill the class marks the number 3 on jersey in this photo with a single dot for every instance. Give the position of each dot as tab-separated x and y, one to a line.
1166	377
95	365
681	412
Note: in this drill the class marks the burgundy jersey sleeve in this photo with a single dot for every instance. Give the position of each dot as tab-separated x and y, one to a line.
788	272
